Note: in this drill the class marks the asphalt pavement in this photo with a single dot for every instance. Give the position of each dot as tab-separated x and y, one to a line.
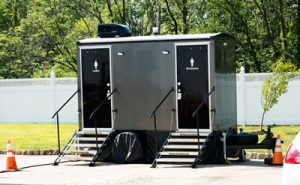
252	172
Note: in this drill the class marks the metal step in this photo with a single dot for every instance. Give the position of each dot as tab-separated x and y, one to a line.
92	152
84	145
185	140
88	139
175	160
189	134
181	146
179	153
83	132
77	158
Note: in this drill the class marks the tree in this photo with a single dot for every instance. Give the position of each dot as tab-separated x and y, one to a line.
11	13
264	30
36	35
276	85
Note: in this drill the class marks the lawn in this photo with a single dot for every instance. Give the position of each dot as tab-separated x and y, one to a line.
43	136
34	136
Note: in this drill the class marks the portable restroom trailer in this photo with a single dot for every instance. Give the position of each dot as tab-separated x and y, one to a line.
144	69
149	88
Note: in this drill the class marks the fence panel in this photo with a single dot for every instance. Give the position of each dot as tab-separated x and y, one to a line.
35	101
249	112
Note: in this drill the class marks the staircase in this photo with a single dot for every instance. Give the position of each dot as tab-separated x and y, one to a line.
83	146
181	148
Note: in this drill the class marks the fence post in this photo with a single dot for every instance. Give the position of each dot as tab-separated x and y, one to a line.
242	96
52	89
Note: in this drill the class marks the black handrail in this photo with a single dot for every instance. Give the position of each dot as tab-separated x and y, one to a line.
65	103
57	118
197	111
202	103
94	114
154	163
161	102
153	114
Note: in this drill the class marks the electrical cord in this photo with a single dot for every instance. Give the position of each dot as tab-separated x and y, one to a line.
32	166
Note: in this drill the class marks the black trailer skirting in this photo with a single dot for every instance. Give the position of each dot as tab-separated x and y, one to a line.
134	147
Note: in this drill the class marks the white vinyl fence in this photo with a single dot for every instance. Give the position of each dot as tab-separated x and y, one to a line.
35	101
249	110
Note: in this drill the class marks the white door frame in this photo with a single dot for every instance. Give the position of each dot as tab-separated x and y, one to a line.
110	76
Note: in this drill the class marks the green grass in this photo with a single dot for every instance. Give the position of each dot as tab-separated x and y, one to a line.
287	134
26	136
44	137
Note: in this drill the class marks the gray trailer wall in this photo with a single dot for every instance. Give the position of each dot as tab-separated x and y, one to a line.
143	76
225	83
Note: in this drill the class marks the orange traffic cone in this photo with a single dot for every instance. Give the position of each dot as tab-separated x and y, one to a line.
278	158
11	164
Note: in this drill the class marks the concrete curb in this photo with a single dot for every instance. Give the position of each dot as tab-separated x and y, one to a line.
33	152
249	155
255	155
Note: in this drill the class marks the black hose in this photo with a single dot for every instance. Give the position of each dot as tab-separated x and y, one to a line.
32	166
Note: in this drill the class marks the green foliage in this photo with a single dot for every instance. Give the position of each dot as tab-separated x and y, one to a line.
277	84
36	35
59	70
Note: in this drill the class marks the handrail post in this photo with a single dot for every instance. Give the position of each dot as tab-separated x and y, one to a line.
94	114
153	114
57	118
196	112
96	132
198	135
162	101
154	117
155	144
58	132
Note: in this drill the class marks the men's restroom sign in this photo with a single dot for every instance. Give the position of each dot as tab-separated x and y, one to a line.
192	64
95	69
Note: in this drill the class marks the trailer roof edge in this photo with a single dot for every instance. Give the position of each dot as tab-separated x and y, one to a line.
154	38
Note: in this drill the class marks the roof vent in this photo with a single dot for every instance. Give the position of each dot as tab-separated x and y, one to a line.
155	31
113	30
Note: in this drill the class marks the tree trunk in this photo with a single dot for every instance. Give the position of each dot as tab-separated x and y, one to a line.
158	12
124	11
88	27
298	33
245	30
172	17
262	119
283	27
262	9
110	11
119	11
184	17
252	52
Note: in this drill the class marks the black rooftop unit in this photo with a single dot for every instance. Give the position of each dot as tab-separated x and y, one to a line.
113	30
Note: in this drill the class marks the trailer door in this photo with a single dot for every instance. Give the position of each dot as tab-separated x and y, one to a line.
192	85
95	85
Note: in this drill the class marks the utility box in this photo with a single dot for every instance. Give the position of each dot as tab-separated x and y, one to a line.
143	70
